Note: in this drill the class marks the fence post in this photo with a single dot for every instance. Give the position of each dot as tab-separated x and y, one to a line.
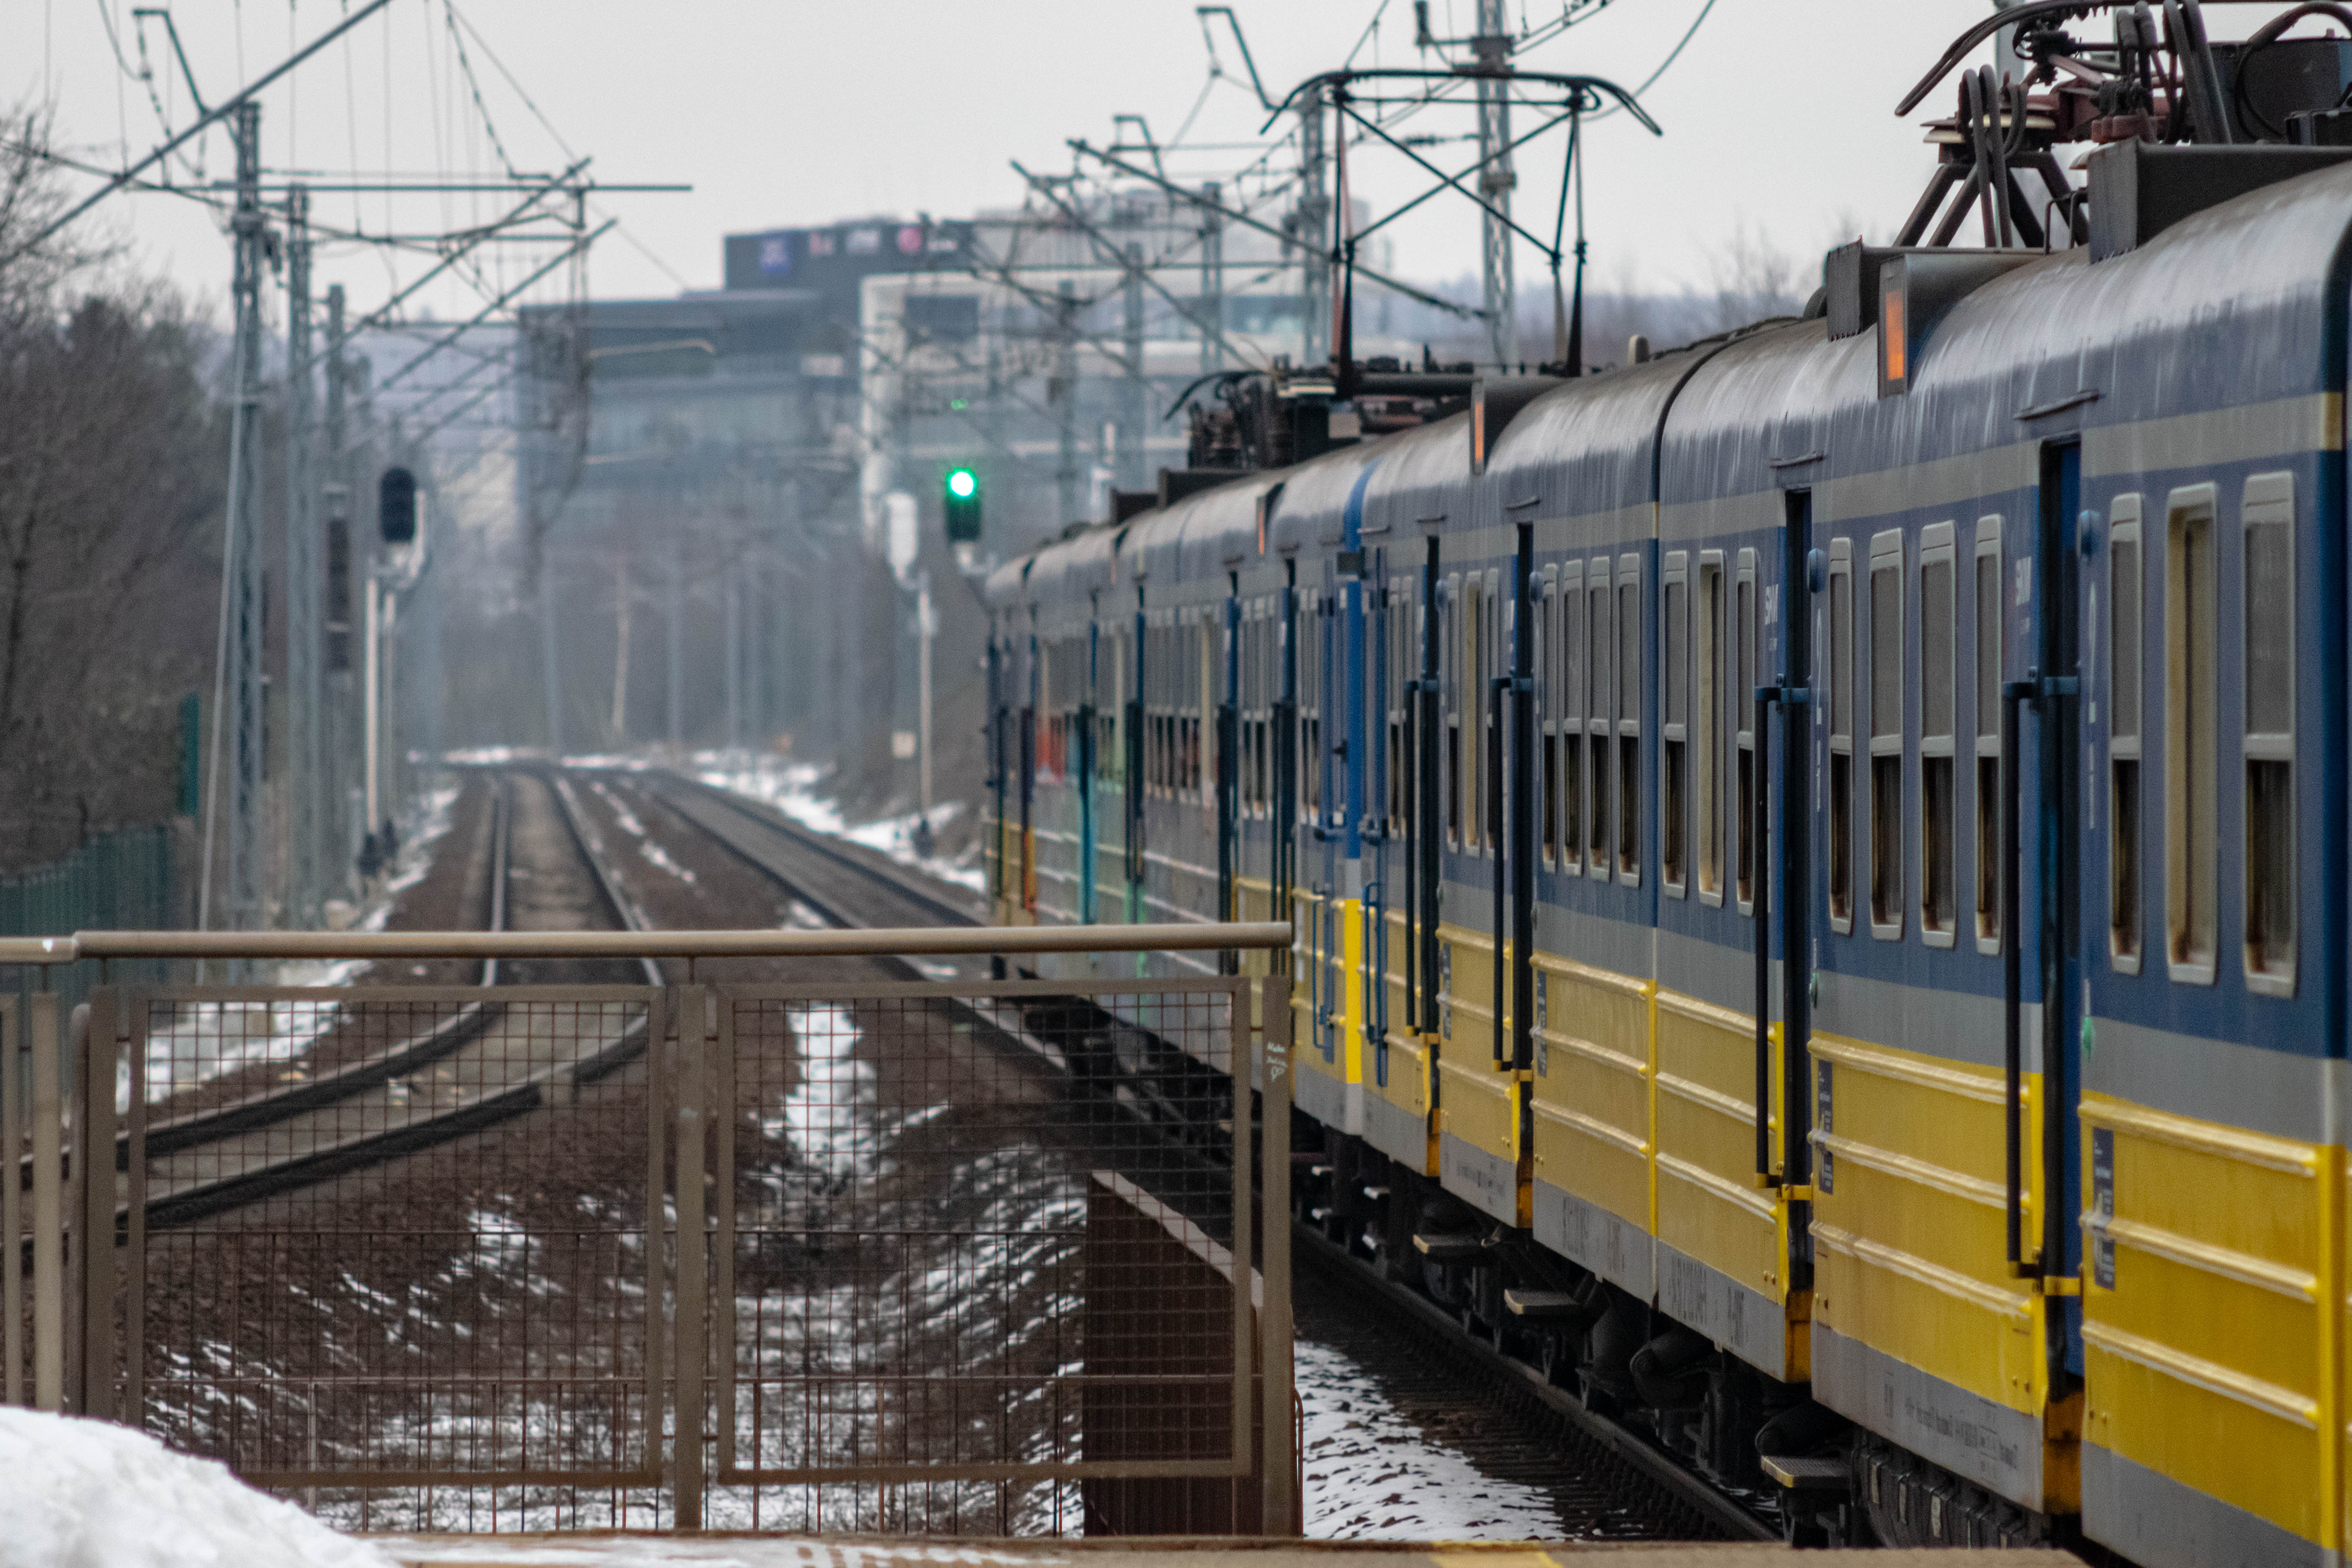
693	1160
13	1088
48	1208
93	1168
1280	1504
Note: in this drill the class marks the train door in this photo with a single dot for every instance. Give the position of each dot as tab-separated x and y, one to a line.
1228	673
2052	885
1376	812
1324	715
1285	810
1082	766
1786	896
1137	766
1027	763
998	768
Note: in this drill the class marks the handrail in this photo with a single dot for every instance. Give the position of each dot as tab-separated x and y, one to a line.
1761	900
941	941
2012	974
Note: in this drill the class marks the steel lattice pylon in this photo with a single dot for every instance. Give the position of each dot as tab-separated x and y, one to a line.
238	719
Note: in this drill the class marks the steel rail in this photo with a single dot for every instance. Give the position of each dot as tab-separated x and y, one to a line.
819	845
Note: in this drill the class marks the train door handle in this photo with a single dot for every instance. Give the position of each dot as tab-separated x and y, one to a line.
1761	903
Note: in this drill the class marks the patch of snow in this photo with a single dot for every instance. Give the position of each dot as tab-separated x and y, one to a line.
561	1550
659	856
792	789
91	1494
621	814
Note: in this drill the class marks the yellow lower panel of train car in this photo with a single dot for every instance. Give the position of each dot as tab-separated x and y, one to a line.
1397	1090
1593	1195
1478	1139
1397	1102
1327	999
1722	1235
1478	1145
1919	1330
2211	1362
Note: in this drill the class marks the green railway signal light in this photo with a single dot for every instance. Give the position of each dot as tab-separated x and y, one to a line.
963	497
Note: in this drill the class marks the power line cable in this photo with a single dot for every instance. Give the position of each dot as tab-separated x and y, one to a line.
527	103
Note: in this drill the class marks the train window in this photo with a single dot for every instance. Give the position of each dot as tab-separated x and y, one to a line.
1991	622
2268	517
1245	714
1629	719
1275	708
1496	659
1450	655
1743	698
1145	672
1548	694
1316	642
1674	786
1473	717
2191	610
1938	636
1600	713
1269	638
1705	702
1887	718
1474	709
1572	688
1163	722
1205	758
1839	700
2126	679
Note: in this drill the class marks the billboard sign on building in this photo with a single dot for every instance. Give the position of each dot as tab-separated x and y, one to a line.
838	255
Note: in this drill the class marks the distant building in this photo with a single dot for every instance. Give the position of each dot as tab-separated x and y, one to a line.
706	477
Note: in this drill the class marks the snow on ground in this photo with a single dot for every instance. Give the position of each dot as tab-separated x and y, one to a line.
791	788
89	1494
1371	1475
204	1039
624	1551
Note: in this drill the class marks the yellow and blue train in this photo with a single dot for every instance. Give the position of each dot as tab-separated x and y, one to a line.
1801	851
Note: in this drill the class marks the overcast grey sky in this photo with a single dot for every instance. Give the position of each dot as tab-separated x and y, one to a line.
1779	115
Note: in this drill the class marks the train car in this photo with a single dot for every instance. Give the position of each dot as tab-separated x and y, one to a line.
1680	998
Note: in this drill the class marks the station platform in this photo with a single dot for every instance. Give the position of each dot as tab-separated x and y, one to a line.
599	1549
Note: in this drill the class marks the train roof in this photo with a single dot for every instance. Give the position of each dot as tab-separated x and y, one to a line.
1420	477
2226	309
1188	540
1731	423
1315	496
1584	449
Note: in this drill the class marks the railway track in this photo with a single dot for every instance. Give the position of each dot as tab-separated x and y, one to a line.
470	1066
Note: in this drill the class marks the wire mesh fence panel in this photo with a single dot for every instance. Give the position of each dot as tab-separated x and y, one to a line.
974	1252
950	1256
401	1253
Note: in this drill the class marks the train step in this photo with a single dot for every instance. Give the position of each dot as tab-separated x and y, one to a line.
1545	1304
1804	1475
1452	1247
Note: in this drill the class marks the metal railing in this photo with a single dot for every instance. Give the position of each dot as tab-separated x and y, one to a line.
950	1255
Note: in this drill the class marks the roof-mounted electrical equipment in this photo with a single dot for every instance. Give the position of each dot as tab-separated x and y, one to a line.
2182	121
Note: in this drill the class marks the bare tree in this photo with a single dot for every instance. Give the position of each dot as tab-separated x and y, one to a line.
110	509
